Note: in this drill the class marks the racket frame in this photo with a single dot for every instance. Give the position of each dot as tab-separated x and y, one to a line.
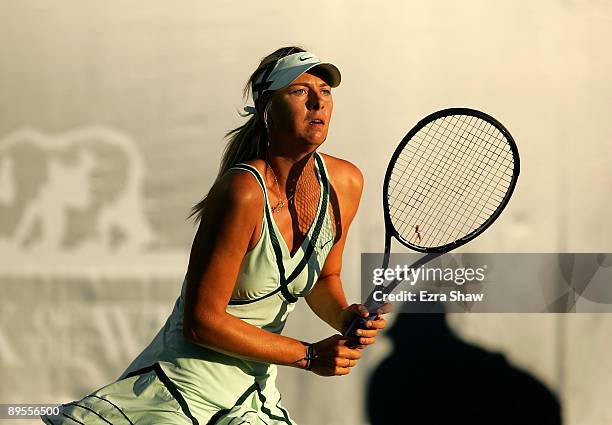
390	228
432	252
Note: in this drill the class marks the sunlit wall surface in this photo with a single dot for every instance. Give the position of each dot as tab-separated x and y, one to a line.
111	128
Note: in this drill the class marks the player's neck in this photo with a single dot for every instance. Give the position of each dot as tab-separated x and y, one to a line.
288	170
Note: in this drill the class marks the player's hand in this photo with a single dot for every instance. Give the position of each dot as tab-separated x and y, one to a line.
334	356
365	335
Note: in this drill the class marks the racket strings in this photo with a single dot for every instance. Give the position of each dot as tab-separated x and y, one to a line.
451	195
474	169
449	179
439	171
475	176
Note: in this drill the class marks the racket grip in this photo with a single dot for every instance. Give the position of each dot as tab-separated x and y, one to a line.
358	322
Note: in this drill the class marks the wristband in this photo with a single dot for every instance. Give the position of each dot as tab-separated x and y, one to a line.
310	356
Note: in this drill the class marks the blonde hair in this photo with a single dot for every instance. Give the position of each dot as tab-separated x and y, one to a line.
250	140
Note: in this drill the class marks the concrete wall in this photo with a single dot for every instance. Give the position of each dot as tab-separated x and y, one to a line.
139	94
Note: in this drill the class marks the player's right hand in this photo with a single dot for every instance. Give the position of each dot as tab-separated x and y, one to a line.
334	357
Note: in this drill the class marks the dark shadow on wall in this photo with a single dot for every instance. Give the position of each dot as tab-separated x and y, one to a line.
432	377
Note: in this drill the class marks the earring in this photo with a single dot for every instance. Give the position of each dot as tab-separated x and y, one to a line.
265	114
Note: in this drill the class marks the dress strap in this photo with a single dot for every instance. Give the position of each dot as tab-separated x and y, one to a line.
255	172
275	244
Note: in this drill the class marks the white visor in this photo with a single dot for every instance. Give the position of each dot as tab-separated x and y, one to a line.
288	68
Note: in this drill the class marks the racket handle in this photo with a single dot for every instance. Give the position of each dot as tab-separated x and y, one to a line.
358	322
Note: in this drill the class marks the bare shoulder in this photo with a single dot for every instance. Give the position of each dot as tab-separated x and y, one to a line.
344	175
238	188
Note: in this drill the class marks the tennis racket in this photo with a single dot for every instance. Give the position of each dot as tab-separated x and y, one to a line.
447	182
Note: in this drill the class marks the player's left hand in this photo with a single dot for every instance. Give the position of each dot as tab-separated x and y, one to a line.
366	335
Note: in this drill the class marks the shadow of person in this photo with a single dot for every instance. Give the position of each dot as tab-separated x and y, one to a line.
432	377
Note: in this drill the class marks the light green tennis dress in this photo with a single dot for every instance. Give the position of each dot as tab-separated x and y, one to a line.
174	381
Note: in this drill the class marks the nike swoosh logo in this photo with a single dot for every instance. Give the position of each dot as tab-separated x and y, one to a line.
325	244
302	58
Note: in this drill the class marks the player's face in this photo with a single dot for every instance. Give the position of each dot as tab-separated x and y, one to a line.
301	112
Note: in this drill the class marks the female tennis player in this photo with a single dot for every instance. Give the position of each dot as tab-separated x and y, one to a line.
272	230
